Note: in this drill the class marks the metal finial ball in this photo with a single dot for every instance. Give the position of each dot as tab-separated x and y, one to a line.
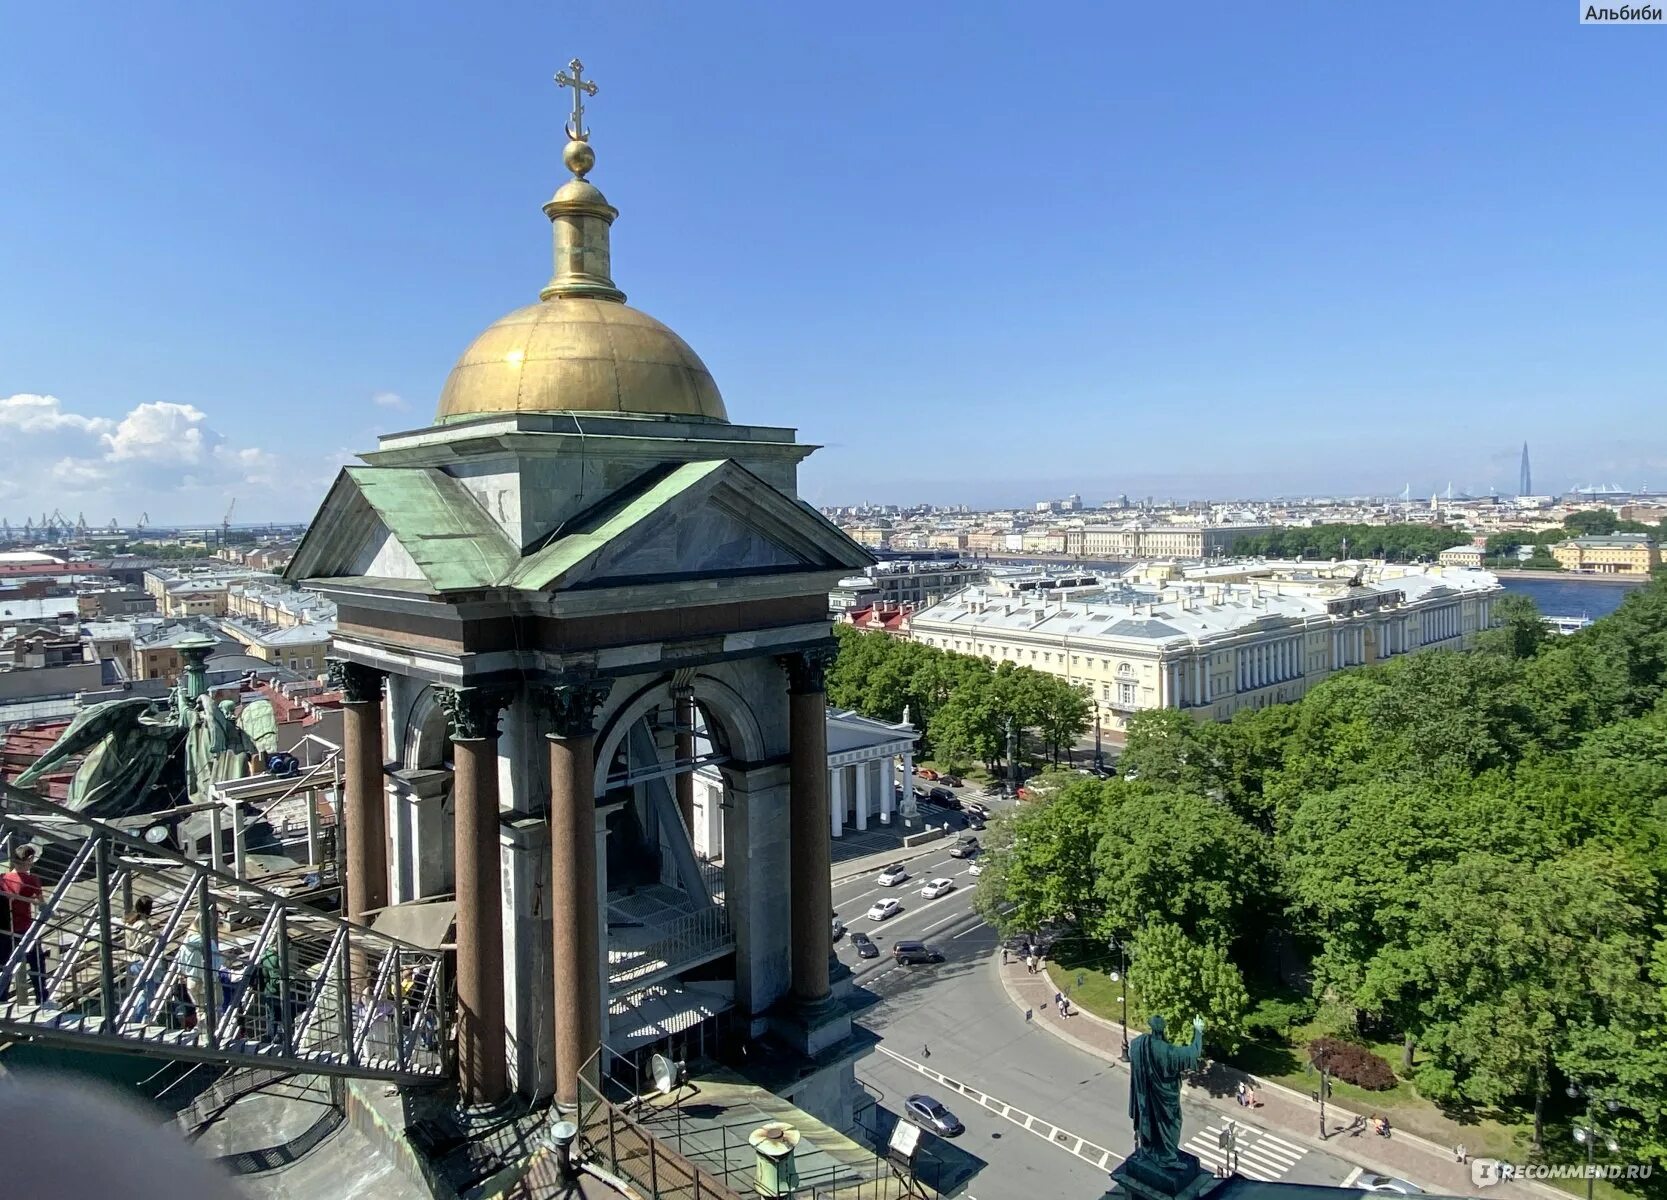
579	157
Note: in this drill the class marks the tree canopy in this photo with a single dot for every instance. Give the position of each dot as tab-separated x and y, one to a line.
1468	847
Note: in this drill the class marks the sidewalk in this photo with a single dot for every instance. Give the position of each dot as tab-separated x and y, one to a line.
1281	1111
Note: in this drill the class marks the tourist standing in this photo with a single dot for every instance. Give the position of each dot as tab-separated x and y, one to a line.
22	889
138	940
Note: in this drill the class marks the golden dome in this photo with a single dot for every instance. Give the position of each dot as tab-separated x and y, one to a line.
580	354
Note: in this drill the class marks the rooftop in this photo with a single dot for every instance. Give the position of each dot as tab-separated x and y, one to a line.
1200	605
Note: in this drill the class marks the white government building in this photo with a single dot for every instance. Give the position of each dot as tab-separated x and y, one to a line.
1211	640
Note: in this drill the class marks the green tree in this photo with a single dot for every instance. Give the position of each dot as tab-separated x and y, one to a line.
1179	979
1519	631
1039	861
1169	855
1166	746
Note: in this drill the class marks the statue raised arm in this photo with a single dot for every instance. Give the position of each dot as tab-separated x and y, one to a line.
1156	1066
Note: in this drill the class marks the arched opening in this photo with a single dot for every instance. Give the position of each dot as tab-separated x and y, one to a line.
427	739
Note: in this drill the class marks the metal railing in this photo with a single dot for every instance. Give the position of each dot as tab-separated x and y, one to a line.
674	1159
668	946
220	970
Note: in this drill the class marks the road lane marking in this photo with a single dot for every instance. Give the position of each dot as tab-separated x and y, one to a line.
942	923
977	925
1088	1152
1353	1175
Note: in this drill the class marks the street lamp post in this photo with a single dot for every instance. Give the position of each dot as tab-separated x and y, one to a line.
1325	1086
1012	760
1099	758
1123	1000
1587	1135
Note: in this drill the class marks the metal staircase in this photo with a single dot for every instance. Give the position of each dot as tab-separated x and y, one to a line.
223	971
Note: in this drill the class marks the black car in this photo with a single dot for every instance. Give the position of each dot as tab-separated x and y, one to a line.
965	848
975	822
951	781
914	953
931	1114
865	945
945	797
838	929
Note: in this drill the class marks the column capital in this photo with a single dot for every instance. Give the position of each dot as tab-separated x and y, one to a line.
807	670
472	712
572	706
357	683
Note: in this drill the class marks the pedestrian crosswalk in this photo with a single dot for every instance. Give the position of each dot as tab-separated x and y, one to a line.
1259	1155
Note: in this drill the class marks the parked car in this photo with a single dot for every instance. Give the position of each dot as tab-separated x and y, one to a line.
945	797
951	781
927	773
838	929
909	953
977	868
937	887
931	1114
965	848
1388	1183
882	909
865	945
893	875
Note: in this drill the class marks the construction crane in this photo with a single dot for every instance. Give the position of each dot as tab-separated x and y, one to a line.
226	523
144	519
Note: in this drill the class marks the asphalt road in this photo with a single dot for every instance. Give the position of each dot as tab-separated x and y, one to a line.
1042	1118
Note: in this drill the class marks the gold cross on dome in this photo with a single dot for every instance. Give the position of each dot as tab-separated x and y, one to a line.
582	87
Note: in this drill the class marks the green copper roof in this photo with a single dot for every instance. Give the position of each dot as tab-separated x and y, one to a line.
611	519
707	519
439	523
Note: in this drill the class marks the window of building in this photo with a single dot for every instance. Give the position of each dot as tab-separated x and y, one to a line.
1124	668
1126	693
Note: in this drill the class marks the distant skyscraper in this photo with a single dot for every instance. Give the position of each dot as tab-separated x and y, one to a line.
1525	485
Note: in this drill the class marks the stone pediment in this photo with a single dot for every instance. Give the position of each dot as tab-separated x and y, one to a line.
419	529
704	520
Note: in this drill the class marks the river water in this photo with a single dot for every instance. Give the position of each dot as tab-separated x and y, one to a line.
1571	598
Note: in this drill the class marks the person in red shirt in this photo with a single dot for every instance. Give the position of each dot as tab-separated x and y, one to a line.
22	889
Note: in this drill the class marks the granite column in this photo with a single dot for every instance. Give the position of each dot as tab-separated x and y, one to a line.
574	905
482	1064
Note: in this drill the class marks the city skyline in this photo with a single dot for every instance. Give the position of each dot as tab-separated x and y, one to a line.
1341	277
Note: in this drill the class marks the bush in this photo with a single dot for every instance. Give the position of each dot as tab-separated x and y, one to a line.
1272	1019
1352	1063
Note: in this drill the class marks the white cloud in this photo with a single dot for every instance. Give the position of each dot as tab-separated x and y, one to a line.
160	457
389	400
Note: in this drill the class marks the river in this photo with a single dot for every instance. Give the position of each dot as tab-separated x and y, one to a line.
1571	598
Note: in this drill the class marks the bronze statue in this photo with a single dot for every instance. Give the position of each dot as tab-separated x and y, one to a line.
1155	1069
132	747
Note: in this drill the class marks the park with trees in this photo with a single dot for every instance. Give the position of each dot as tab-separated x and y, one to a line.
1449	869
961	703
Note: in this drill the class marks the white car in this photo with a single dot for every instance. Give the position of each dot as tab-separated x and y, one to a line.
1388	1183
937	887
883	909
892	876
977	868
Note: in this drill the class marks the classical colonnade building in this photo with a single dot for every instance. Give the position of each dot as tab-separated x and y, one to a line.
581	585
1211	640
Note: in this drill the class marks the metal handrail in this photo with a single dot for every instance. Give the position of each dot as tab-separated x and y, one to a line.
216	935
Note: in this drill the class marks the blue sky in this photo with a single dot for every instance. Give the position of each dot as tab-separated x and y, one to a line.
980	252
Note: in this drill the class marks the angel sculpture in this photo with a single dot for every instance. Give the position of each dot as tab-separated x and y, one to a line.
133	762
